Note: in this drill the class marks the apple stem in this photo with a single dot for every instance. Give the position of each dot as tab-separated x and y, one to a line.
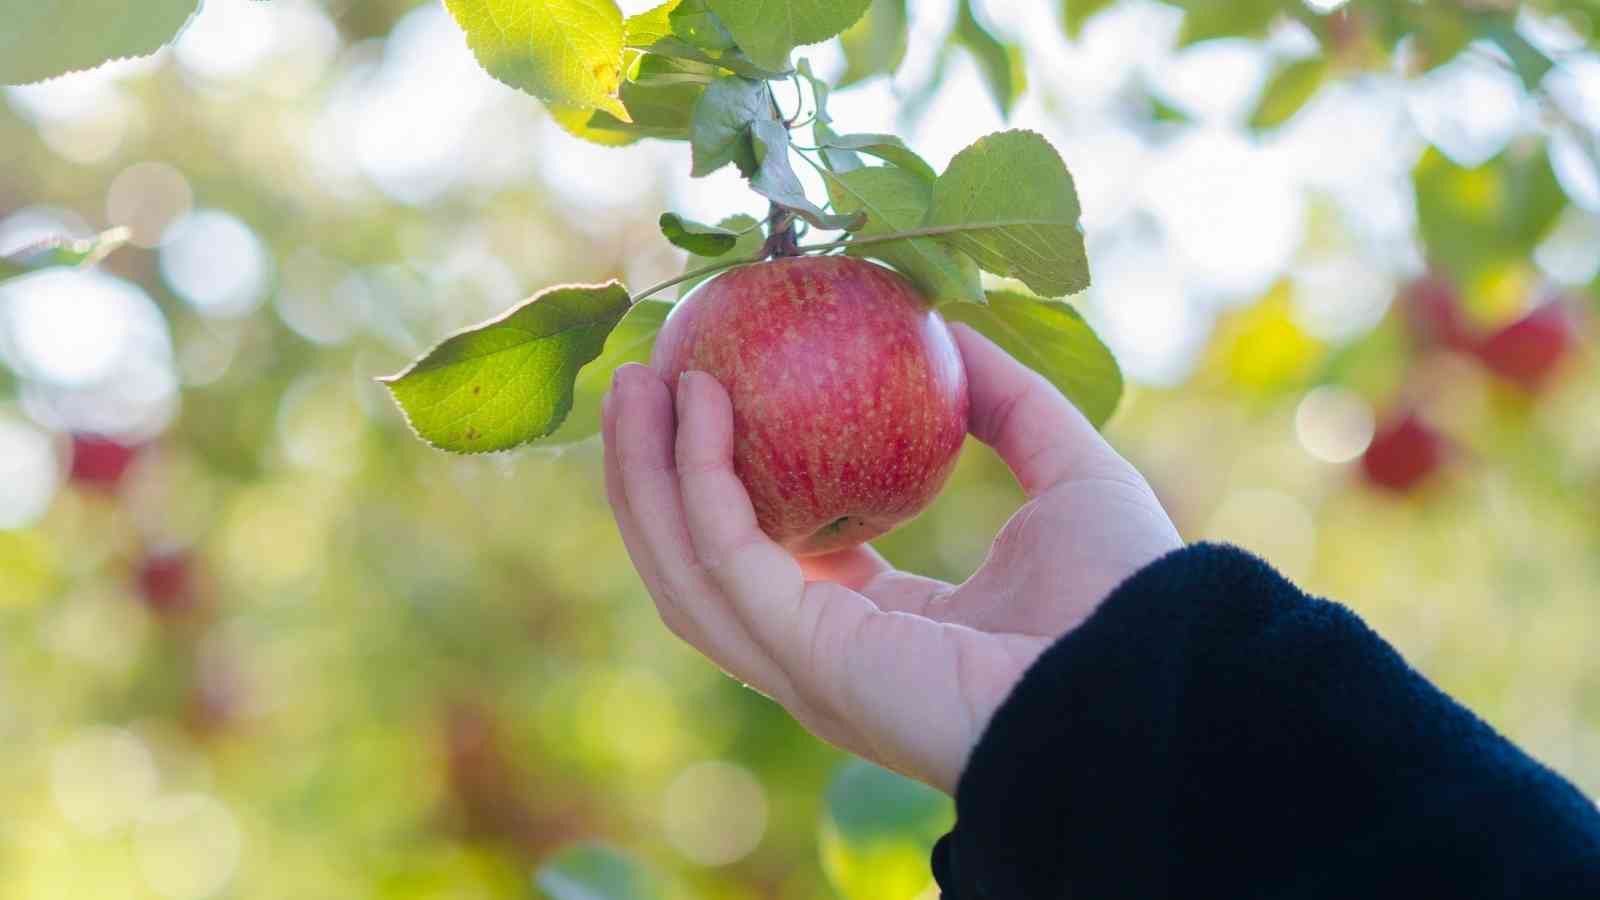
781	239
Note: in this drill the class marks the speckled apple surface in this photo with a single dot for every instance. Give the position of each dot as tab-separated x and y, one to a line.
849	395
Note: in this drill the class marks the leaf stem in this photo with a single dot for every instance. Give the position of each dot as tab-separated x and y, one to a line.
696	273
807	249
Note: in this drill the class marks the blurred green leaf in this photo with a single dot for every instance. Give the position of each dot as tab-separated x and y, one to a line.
1017	193
1051	338
561	51
1530	63
1288	91
1474	218
878	831
695	23
719	132
1204	20
775	178
1075	13
510	380
41	40
876	44
749	241
1000	63
631	341
886	147
593	872
896	199
767	32
703	240
62	251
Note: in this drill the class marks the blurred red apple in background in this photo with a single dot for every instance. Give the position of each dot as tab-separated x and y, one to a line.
100	462
1433	312
168	583
1529	350
1403	453
849	395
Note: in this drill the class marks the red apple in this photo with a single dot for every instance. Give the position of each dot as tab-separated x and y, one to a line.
849	395
100	462
1432	308
168	583
1403	453
1530	349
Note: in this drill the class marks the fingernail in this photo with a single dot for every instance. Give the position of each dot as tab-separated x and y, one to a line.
683	392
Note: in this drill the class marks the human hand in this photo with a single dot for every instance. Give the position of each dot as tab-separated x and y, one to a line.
903	670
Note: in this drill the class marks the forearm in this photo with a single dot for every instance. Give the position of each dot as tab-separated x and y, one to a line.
1213	731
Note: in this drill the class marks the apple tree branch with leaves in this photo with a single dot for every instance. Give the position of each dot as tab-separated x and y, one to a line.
703	72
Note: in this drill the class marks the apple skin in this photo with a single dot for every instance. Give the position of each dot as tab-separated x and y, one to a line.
1403	453
100	462
1529	350
849	395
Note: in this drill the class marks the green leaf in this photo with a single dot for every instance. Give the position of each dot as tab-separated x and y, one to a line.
643	29
835	159
775	179
695	23
702	240
767	31
1204	20
1052	339
593	872
40	40
510	380
876	44
719	131
1076	13
1001	64
1290	89
561	51
631	341
877	832
60	251
1016	194
886	147
593	126
747	244
896	199
731	60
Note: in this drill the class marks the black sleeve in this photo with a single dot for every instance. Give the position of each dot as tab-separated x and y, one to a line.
1213	732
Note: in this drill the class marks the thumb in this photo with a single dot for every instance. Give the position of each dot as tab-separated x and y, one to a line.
1042	437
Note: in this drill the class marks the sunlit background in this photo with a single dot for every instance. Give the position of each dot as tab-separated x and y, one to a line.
258	641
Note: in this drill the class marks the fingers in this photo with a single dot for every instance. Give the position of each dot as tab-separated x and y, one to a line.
1038	432
754	571
641	483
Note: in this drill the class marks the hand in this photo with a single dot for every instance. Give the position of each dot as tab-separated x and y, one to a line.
903	670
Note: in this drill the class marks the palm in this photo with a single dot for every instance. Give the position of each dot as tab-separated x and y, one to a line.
901	669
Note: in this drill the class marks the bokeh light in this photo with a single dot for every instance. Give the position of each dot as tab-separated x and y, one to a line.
103	779
714	813
215	262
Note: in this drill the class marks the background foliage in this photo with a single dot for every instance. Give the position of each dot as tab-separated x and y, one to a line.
286	649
